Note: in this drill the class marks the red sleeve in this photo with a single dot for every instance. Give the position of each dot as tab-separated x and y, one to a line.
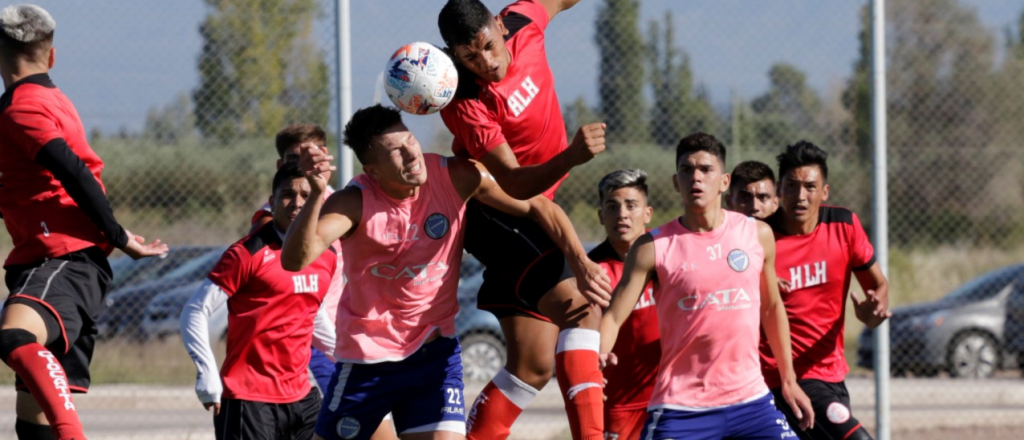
29	128
532	10
862	253
474	126
232	271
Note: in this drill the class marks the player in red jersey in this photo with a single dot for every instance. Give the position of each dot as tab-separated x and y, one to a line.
54	206
271	317
752	190
401	224
624	213
506	115
819	248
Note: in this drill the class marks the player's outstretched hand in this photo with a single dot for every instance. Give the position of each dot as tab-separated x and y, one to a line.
872	310
800	403
607	359
588	142
594	284
214	405
314	164
138	248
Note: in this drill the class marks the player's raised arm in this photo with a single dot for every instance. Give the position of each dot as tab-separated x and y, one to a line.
776	328
555	6
319	222
472	179
637	271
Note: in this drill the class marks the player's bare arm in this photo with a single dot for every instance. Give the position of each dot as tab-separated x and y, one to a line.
319	222
523	182
637	271
776	328
555	6
473	180
874	308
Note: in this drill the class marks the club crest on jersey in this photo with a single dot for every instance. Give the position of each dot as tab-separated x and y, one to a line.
738	260
436	226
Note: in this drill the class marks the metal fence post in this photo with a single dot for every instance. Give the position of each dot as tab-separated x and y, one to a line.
880	208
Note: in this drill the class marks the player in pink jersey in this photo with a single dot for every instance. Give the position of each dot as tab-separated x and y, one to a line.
288	143
714	274
271	318
506	115
820	249
401	229
624	213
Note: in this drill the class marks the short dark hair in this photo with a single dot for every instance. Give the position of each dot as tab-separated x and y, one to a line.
700	141
803	154
366	124
618	179
749	172
460	21
25	30
288	172
298	134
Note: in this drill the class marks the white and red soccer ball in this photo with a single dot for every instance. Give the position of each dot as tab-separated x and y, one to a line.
420	78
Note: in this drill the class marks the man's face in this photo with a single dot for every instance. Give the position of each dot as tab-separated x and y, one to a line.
288	200
395	158
486	56
802	190
624	214
700	180
756	199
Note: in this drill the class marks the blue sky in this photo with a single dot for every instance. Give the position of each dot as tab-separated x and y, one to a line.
118	58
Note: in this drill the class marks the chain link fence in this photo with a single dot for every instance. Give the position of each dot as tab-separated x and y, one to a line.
182	99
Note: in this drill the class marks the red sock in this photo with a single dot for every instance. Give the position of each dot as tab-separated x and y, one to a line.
579	377
46	380
497	407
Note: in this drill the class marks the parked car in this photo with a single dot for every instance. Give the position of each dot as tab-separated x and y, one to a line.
483	347
125	306
128	271
163	314
963	333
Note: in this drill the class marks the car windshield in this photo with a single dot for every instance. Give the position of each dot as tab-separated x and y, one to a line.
985	286
199	265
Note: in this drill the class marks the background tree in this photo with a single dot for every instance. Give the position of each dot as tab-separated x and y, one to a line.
259	68
788	111
678	108
621	76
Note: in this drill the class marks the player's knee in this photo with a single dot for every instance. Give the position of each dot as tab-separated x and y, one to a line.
860	434
13	338
534	375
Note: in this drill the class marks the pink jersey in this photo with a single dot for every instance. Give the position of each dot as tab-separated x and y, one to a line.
402	268
709	303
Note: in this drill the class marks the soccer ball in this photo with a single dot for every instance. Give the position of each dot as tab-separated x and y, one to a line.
420	78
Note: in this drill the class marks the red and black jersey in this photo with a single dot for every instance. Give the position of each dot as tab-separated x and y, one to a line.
51	196
270	317
638	346
819	267
522	109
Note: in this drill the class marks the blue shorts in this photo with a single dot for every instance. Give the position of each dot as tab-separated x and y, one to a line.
755	420
423	392
322	369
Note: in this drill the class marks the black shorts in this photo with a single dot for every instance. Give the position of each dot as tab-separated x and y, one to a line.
833	419
68	293
521	263
249	420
